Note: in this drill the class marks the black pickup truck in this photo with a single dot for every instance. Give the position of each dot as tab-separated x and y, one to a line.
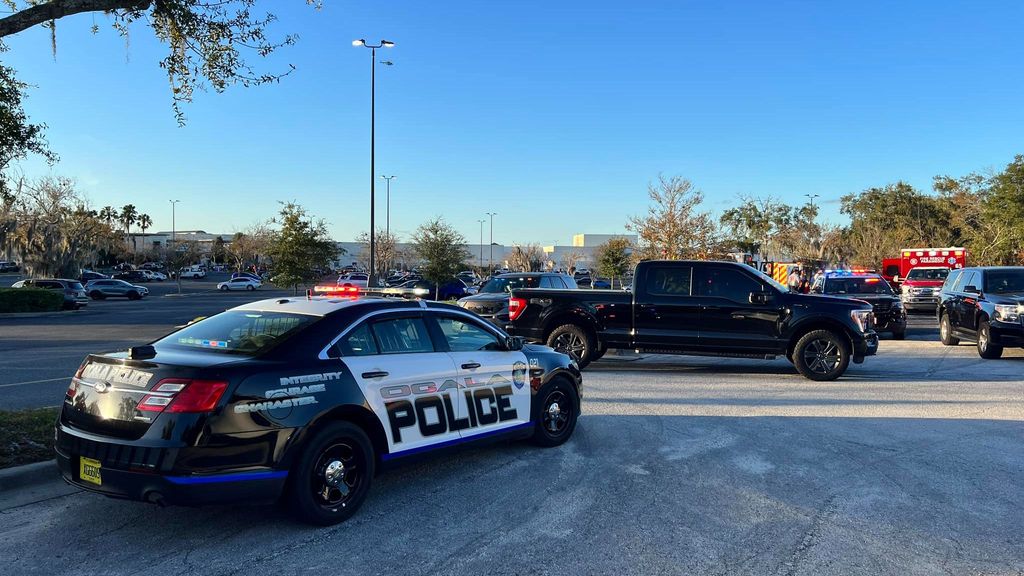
700	308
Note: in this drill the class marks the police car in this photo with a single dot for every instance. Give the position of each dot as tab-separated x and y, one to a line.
888	312
304	398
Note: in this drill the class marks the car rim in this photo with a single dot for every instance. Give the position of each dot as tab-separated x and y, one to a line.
822	356
983	340
570	344
337	475
556	413
944	329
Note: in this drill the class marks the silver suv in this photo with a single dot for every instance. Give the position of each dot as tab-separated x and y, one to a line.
113	288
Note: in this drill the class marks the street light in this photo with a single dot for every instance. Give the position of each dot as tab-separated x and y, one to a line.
490	262
812	197
482	242
371	281
388	218
173	231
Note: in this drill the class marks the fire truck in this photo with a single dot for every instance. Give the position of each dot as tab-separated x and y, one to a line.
896	269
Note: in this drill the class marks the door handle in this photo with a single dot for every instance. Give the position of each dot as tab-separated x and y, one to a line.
470	365
378	374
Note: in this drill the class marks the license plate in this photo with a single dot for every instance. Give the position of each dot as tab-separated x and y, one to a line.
89	471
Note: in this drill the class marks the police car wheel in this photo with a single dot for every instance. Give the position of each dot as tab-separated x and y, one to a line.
332	478
821	355
986	349
559	410
946	332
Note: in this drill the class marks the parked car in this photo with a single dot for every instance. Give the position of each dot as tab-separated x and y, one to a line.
703	308
354	279
6	266
491	302
984	306
73	291
195	272
114	288
154	266
240	283
133	276
88	275
425	290
154	275
249	275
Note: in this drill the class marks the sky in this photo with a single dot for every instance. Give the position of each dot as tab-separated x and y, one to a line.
554	115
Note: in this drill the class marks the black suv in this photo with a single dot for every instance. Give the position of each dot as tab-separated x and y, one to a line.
983	305
889	315
492	300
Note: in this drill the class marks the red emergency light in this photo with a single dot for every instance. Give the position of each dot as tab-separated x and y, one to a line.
347	291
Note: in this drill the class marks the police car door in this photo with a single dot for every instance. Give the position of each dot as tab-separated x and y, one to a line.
393	359
492	379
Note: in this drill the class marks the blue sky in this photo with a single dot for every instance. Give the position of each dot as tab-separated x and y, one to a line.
556	115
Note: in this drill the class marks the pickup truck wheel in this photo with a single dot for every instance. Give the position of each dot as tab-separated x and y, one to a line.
986	349
559	410
332	478
821	355
599	352
573	341
946	332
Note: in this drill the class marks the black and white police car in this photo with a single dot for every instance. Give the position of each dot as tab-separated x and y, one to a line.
304	398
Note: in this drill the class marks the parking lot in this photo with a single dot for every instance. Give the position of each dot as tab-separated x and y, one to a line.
910	464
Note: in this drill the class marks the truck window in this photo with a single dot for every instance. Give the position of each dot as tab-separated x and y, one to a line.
726	283
669	281
951	280
968	278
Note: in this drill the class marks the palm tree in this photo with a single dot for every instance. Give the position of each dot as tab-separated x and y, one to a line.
109	215
144	222
129	215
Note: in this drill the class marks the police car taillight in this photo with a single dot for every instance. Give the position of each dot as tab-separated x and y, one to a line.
183	396
516	307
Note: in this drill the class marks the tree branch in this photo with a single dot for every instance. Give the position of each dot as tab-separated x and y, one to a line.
57	9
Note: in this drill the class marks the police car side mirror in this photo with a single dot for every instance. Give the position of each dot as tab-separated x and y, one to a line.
760	297
514	343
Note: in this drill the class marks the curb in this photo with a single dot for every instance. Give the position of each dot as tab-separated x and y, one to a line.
56	314
28	474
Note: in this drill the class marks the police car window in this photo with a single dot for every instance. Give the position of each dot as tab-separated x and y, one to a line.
464	336
951	280
857	285
727	283
969	278
244	332
672	281
359	342
1004	281
402	336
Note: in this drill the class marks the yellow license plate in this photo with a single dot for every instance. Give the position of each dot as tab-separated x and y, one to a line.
89	470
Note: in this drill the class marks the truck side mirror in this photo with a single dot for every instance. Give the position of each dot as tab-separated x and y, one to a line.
760	297
972	290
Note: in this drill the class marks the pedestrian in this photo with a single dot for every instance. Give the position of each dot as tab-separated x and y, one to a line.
794	279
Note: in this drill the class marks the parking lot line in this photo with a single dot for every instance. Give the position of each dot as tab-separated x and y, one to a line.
35	382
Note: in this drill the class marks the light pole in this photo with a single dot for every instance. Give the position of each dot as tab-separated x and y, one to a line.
387	219
371	280
174	204
482	242
490	262
812	197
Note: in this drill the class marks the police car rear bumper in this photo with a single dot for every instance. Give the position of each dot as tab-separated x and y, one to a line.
131	472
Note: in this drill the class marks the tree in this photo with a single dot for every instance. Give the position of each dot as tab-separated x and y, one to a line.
299	248
1004	207
895	216
529	258
18	137
756	222
109	215
207	39
674	227
442	250
386	245
218	250
144	222
249	245
570	259
184	253
612	258
129	216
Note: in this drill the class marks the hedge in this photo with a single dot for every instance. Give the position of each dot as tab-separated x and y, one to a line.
30	300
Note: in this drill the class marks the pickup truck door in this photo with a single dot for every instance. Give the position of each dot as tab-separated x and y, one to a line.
728	320
666	314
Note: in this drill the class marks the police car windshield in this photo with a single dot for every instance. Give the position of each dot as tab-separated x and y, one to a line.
244	332
503	285
1004	281
928	274
857	285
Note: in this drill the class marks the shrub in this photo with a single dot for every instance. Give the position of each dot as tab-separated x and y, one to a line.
30	300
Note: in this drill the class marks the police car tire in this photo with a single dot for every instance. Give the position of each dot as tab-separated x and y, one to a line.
301	492
986	349
564	393
946	332
572	332
817	338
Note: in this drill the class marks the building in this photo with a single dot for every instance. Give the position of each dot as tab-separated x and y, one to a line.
159	241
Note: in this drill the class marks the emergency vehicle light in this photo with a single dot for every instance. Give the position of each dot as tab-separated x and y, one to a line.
348	291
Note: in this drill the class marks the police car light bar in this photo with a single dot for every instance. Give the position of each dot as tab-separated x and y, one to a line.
343	291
